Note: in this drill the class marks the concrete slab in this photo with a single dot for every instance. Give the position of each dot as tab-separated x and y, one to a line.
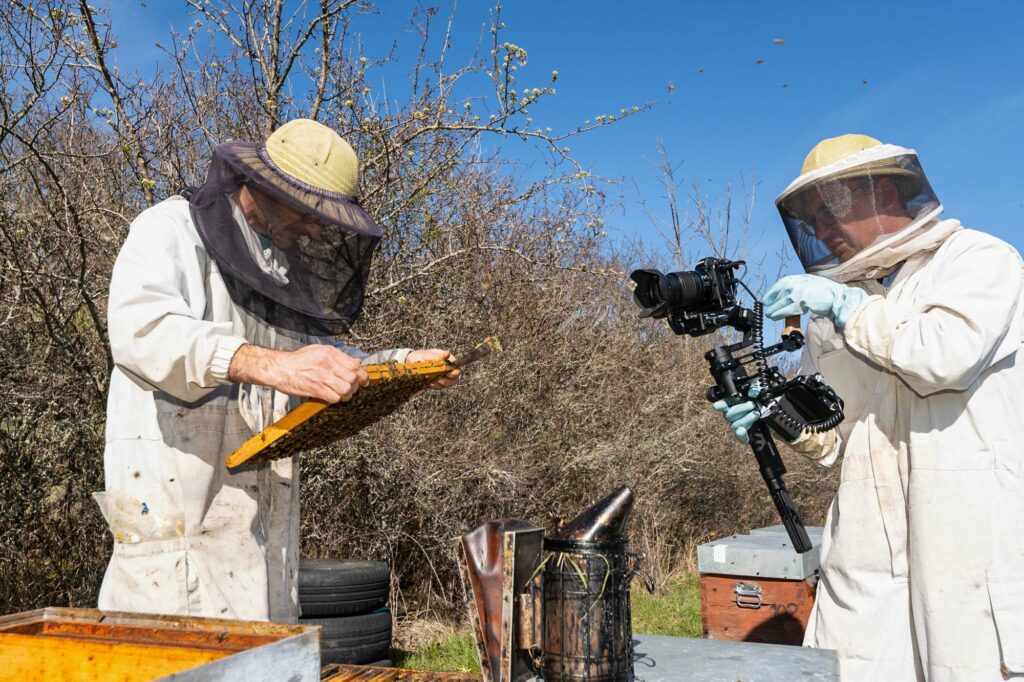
659	658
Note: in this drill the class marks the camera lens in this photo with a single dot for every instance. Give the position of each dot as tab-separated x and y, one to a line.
683	289
656	292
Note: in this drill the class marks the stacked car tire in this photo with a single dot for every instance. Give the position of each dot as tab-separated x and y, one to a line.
348	600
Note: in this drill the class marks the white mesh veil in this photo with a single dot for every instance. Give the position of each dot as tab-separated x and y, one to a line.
861	216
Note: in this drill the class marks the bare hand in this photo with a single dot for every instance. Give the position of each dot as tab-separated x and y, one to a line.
446	381
317	371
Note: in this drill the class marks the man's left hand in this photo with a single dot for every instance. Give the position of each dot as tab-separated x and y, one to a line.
798	294
426	355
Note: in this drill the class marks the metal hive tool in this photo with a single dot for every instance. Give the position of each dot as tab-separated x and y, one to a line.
314	423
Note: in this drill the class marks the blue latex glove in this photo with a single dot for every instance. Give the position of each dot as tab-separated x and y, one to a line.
798	294
741	416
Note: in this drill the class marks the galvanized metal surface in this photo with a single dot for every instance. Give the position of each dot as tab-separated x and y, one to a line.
763	553
659	658
296	659
814	532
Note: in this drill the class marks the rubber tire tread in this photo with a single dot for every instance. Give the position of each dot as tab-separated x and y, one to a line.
355	639
330	588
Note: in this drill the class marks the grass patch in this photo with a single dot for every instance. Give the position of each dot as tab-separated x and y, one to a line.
673	610
456	653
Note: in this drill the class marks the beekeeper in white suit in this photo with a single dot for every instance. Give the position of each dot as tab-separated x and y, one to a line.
221	316
918	325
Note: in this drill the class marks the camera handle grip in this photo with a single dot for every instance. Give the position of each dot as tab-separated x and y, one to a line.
792	324
770	462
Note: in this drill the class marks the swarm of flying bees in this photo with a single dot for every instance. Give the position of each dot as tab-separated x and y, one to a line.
760	60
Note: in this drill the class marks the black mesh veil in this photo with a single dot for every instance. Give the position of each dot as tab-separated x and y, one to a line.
318	283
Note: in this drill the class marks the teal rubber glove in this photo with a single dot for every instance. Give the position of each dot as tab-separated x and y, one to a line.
741	416
798	294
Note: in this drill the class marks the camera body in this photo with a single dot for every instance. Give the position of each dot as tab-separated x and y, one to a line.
697	302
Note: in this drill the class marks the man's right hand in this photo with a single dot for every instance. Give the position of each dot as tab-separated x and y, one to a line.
316	371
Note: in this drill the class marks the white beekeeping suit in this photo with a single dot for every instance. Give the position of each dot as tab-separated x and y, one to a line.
176	319
922	570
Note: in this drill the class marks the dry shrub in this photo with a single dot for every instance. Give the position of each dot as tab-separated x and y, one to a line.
585	398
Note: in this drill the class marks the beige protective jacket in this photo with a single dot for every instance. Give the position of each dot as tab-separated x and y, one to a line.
922	570
172	416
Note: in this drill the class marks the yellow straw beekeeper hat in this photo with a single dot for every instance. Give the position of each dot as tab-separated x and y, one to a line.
306	165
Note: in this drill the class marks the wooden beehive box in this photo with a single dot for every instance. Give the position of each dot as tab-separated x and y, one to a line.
755	588
79	645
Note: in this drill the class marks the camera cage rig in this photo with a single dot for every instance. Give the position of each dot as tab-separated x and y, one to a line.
789	406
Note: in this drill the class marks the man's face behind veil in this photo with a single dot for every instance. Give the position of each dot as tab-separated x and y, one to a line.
845	215
283	224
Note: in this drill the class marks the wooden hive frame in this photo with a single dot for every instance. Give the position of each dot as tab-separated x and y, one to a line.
316	423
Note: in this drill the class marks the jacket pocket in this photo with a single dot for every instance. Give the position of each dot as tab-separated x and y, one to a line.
149	547
1006	594
147	577
855	381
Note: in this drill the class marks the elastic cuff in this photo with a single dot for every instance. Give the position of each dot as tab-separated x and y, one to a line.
870	332
224	351
852	301
384	356
822	448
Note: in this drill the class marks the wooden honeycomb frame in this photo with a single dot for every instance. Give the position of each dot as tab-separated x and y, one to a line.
314	423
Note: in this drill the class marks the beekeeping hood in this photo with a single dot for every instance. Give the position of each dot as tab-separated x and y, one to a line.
306	267
860	208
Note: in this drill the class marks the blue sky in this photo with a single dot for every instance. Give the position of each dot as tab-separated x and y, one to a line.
944	78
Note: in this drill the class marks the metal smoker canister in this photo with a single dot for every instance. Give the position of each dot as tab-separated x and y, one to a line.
587	633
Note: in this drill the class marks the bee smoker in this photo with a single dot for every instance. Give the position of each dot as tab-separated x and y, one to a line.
556	606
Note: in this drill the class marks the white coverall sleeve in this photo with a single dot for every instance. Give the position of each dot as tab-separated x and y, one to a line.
157	300
822	448
391	355
377	357
960	326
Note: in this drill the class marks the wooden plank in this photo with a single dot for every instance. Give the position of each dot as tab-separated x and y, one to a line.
781	617
362	673
150	636
29	658
218	626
